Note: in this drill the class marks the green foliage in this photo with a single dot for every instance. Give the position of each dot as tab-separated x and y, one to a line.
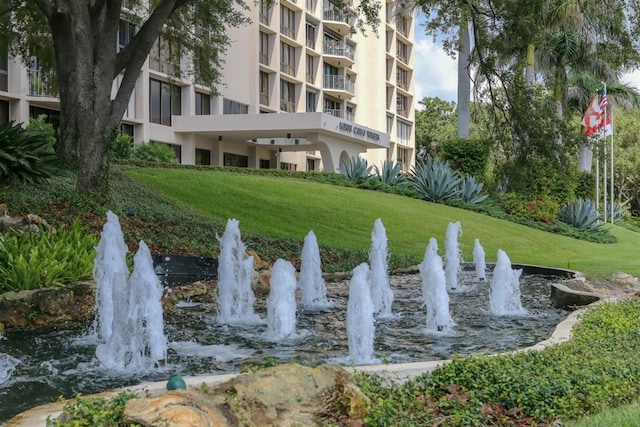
46	130
355	169
26	155
541	208
467	156
46	259
580	213
92	412
435	122
155	151
471	190
598	368
542	176
390	174
120	147
585	185
434	179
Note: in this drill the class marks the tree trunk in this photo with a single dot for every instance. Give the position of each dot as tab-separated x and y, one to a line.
464	83
529	72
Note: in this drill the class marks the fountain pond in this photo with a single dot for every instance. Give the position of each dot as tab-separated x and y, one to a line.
62	363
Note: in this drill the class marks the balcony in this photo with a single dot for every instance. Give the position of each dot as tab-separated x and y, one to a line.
42	83
338	54
338	20
338	86
264	99
342	114
288	69
402	112
288	31
263	58
287	106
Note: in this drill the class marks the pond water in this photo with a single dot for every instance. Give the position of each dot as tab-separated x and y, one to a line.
62	363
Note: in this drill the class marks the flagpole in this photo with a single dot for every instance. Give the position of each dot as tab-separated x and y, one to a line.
611	157
603	126
597	147
604	176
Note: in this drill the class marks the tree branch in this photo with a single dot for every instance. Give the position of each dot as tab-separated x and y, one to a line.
46	7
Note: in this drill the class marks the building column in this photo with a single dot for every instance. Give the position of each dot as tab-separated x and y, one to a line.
188	149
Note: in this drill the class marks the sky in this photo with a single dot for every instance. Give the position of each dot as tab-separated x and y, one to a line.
436	73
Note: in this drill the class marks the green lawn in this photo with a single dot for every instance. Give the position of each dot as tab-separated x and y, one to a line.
344	217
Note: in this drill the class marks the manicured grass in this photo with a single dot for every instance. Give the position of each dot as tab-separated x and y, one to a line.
624	416
343	218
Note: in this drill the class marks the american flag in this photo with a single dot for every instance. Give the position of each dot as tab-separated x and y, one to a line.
603	99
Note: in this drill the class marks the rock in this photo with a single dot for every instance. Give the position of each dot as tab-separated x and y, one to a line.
283	396
196	291
624	279
565	297
258	263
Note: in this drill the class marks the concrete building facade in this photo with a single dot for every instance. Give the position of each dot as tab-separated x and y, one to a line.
302	91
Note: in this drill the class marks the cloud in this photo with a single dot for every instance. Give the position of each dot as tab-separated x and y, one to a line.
436	73
632	78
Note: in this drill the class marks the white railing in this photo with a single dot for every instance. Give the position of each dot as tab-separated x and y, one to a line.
338	83
342	114
42	83
338	49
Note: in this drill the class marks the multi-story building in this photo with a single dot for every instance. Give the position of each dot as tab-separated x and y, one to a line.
302	90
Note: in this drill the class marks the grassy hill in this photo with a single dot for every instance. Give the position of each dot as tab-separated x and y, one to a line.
343	218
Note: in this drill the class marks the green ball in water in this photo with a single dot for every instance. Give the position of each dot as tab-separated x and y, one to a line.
176	382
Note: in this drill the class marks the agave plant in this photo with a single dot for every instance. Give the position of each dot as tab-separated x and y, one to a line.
390	174
356	168
581	214
471	190
434	179
618	212
26	156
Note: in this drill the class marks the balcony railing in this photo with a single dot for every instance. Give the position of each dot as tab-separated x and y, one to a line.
334	14
402	84
402	26
264	19
264	98
311	43
338	83
42	83
338	49
402	112
310	78
288	106
264	58
342	114
288	69
287	31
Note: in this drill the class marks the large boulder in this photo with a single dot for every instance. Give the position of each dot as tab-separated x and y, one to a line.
285	395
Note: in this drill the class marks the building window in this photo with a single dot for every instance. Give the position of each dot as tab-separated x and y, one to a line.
312	101
287	22
165	56
264	12
264	48
203	157
164	101
203	104
402	105
402	52
332	106
402	157
403	132
4	112
311	35
126	31
350	113
288	166
4	66
51	117
287	96
126	129
265	164
232	107
311	68
403	25
264	88
236	160
287	59
389	124
177	150
311	165
402	78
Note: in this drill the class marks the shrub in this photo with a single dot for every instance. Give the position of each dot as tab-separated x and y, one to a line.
98	411
155	151
26	156
541	176
390	174
434	179
45	259
467	156
471	190
355	168
541	208
581	214
120	147
585	185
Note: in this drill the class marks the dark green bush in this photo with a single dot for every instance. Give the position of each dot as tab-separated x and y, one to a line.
467	156
120	147
97	411
585	185
541	176
26	156
155	152
541	208
46	259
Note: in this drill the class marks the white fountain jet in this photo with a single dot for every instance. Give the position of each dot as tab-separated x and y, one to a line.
313	292
235	271
430	252
436	299
360	321
505	288
281	304
452	255
479	261
7	366
381	293
129	319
